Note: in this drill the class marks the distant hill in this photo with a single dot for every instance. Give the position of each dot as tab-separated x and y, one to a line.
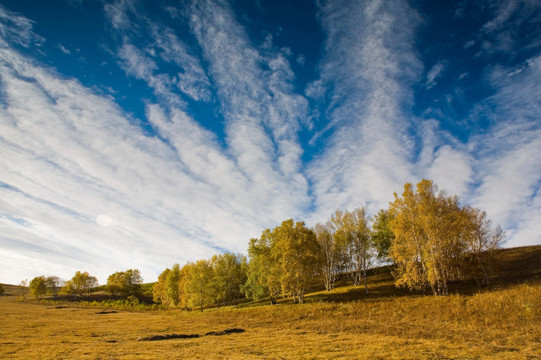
518	264
11	290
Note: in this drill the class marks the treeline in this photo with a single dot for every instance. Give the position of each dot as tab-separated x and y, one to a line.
430	238
82	283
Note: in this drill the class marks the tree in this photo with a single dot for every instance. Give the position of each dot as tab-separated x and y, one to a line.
328	254
229	277
341	240
299	253
82	283
172	285
38	287
23	285
114	283
125	282
482	240
54	284
1	290
199	285
169	289
382	236
263	275
352	238
158	289
430	229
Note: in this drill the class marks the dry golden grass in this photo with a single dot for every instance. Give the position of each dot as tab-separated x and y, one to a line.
503	322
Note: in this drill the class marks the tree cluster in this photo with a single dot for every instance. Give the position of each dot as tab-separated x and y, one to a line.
285	261
217	281
41	286
125	283
82	283
438	241
429	237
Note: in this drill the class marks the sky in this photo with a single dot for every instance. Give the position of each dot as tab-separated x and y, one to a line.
139	134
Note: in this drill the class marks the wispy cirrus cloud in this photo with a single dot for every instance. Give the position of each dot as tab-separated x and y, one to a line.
509	170
368	67
262	112
105	189
435	72
84	187
71	158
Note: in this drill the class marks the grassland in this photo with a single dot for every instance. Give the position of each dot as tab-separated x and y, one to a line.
502	322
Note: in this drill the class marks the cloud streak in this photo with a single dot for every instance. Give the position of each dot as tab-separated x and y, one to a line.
85	187
368	71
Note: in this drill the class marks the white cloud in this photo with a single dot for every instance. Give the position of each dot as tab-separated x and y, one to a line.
369	64
83	187
451	170
434	73
512	20
193	80
509	170
64	49
118	13
70	156
98	195
260	108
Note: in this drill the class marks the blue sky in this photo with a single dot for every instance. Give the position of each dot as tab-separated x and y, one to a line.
138	134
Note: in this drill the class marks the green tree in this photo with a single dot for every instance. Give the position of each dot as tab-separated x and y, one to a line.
172	285
158	289
169	289
300	258
382	235
229	277
263	275
199	285
54	284
38	287
114	283
341	240
82	283
125	282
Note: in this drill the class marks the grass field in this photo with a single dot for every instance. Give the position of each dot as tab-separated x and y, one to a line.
503	322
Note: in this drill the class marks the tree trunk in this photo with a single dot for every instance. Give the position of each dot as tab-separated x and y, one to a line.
365	283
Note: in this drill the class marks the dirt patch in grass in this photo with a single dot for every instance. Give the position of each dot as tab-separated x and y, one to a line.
225	332
104	312
168	337
191	336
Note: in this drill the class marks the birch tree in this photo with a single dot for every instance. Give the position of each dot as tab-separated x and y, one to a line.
38	287
125	282
54	284
299	252
430	229
382	236
81	283
328	254
482	238
353	241
229	277
199	285
263	277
